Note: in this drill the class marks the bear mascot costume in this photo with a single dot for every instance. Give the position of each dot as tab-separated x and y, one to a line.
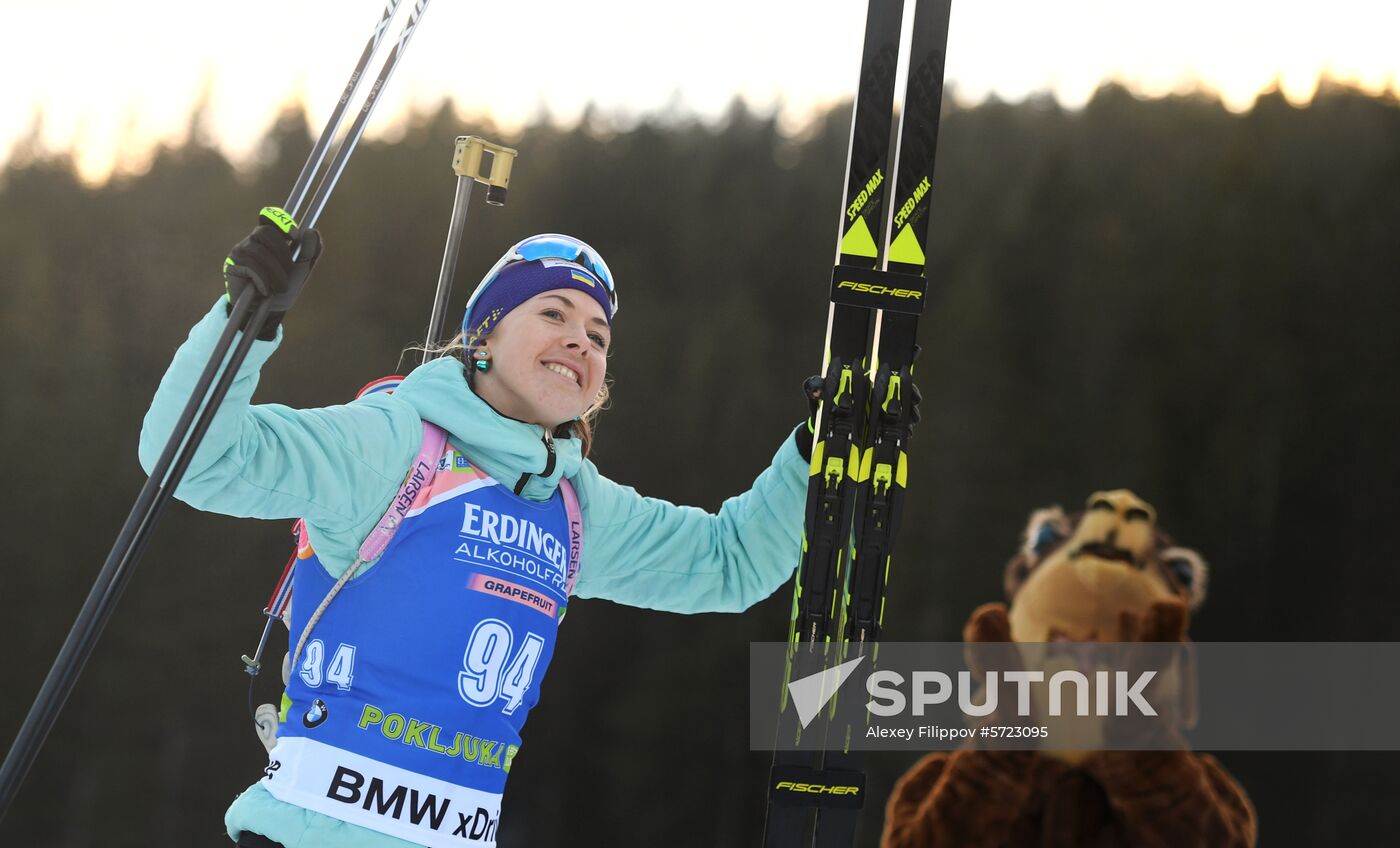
1107	574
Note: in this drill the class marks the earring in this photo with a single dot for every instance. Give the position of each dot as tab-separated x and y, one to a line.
482	360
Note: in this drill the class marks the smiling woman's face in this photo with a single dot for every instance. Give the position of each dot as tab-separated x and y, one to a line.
548	358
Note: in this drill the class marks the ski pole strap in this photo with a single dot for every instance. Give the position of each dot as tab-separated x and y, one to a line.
802	786
279	218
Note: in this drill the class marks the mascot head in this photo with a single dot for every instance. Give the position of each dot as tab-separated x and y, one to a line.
1077	574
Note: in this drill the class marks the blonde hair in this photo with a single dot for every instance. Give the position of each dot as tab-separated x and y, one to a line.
580	428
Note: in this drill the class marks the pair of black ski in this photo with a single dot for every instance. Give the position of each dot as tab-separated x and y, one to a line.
859	462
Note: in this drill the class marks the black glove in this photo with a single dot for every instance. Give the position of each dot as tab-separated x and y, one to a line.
264	261
802	436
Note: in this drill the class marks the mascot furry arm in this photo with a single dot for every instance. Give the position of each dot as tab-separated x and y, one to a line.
1107	574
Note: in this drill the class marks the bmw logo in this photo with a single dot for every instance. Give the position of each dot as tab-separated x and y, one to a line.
316	714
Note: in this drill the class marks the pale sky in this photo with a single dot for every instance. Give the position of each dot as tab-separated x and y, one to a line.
111	77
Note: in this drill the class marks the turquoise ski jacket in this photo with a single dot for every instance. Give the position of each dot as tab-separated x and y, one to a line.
338	468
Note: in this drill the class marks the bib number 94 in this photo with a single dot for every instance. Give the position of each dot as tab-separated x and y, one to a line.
491	671
341	671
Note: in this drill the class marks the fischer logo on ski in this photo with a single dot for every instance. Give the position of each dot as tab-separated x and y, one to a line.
871	289
804	787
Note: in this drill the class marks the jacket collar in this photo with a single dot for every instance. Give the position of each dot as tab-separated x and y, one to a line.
503	447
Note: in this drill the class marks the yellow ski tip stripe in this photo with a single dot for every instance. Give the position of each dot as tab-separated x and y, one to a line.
906	248
858	241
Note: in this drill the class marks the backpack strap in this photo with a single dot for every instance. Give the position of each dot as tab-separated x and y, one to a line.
575	535
419	477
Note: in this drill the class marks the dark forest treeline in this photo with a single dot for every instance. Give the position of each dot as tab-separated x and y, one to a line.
1159	294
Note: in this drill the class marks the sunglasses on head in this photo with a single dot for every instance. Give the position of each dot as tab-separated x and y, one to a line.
552	246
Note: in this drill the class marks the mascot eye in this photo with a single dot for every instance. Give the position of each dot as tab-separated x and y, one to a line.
1187	570
1101	503
1181	569
1045	539
1137	514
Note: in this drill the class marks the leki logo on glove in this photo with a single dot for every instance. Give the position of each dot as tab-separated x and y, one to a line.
279	217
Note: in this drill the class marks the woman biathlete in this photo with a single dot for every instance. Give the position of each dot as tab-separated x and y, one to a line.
414	668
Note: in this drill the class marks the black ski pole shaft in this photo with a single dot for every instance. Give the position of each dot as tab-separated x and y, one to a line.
318	152
357	128
196	435
111	580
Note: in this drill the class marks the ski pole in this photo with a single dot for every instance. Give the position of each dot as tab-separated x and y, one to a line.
169	469
127	550
467	159
318	152
106	590
357	128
